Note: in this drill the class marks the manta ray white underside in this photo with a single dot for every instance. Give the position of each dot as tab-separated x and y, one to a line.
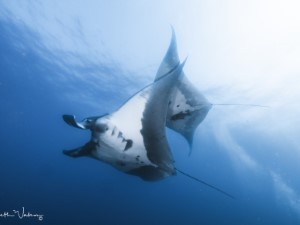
133	138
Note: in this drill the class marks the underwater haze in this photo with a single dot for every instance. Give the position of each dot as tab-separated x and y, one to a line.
88	57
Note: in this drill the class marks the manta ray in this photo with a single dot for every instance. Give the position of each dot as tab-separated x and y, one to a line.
133	138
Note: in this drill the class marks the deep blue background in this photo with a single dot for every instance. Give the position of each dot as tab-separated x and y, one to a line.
35	174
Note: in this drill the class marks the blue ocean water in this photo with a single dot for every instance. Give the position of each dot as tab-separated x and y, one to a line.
37	176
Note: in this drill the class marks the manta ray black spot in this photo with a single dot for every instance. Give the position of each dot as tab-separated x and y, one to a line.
181	115
120	134
128	144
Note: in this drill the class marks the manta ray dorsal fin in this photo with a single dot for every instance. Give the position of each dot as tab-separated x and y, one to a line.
170	60
154	120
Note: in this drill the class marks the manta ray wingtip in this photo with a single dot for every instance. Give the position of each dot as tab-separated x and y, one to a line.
173	39
189	137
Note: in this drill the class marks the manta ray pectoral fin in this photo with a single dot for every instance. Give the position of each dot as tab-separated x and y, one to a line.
184	113
81	151
154	121
70	119
171	58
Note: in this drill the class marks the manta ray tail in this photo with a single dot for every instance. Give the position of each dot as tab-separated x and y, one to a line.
207	184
